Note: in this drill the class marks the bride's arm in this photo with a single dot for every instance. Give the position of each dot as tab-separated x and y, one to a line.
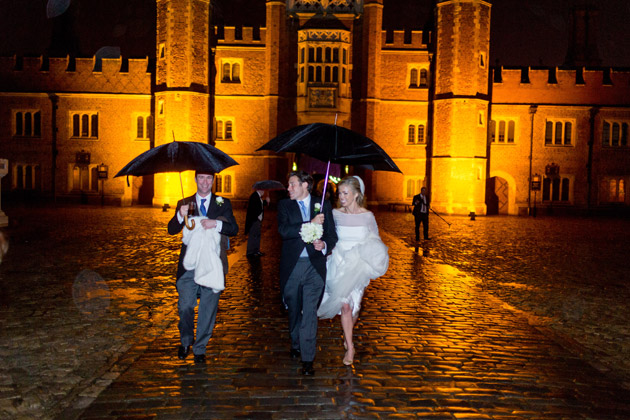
371	224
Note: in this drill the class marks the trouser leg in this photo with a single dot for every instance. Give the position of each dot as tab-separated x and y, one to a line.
253	238
312	289
186	302
206	318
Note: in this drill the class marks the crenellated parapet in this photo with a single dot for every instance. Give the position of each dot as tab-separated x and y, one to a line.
561	85
68	74
230	35
406	40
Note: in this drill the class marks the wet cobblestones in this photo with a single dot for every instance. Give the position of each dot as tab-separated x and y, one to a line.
446	333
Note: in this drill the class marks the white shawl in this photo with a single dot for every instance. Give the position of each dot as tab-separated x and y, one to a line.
203	255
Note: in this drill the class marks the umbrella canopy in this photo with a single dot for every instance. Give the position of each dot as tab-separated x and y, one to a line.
332	143
178	156
269	184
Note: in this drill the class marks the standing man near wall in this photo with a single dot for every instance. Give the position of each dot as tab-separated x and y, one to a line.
421	213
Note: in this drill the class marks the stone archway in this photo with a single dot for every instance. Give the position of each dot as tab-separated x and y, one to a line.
501	194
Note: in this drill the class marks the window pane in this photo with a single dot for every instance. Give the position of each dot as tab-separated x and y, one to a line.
612	191
423	78
558	135
410	184
37	124
311	74
327	77
565	189
319	55
236	72
19	130
511	128
413	78
335	77
228	129
219	129
328	56
345	56
411	137
226	72
318	74
94	125
421	134
493	127
217	183
302	75
622	191
139	128
548	132
335	58
343	75
302	55
76	125
624	134
311	54
567	133
501	131
615	134
606	134
28	123
227	183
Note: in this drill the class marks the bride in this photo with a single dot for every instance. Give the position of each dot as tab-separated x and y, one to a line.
359	256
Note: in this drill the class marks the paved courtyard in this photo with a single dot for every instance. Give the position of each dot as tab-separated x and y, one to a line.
497	318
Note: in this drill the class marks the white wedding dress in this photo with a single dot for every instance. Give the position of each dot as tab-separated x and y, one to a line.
359	256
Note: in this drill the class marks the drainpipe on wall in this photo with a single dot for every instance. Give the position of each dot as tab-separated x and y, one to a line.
54	100
532	112
589	164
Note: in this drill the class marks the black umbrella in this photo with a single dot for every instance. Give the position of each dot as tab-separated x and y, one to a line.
332	143
269	184
178	156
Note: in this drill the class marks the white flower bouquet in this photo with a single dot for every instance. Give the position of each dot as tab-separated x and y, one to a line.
219	201
311	232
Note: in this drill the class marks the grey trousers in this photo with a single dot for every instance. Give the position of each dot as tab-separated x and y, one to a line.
188	292
302	295
253	238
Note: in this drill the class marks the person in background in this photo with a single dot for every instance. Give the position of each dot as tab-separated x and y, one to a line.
253	222
421	213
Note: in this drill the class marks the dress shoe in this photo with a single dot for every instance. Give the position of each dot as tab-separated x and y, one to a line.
182	352
200	358
307	369
295	353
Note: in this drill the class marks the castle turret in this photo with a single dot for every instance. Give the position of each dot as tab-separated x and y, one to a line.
182	93
459	146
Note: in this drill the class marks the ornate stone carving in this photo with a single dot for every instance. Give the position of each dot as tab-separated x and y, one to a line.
331	6
324	35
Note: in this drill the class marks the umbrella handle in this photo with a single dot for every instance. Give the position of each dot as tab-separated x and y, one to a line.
192	223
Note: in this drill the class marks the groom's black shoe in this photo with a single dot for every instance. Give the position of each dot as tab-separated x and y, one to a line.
295	353
307	369
182	352
200	358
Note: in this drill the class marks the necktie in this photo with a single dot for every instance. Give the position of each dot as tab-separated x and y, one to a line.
303	208
202	208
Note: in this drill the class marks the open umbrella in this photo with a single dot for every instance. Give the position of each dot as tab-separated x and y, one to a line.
178	156
332	143
269	184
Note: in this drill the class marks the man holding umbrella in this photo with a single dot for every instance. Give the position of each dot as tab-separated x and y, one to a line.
253	222
218	211
303	264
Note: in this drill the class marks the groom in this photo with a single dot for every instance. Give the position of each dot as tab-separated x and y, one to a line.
303	265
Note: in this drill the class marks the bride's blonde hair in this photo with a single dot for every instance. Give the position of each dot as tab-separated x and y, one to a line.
354	183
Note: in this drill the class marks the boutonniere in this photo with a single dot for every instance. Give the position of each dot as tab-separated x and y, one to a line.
219	201
318	208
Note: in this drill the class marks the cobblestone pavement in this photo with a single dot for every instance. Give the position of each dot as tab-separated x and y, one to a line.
498	318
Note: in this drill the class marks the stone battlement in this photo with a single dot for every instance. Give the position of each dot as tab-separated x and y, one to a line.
403	40
59	74
561	85
240	35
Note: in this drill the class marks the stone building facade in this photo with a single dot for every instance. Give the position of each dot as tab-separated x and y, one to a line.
482	139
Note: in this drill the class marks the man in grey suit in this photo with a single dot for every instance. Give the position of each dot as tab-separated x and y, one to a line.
303	265
218	211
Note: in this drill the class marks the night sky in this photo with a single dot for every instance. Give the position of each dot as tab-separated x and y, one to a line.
524	32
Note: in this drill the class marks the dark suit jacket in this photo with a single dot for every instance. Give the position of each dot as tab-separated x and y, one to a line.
289	225
222	212
254	208
417	205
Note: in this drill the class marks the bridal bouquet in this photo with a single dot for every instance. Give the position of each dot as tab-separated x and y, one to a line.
311	232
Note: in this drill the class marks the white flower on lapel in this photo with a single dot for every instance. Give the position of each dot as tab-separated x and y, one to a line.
219	201
318	207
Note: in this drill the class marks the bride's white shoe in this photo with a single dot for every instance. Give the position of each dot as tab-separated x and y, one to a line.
348	359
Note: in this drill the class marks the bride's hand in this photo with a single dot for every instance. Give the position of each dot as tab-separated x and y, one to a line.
319	219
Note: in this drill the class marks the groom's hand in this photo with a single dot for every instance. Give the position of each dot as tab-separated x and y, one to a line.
319	244
319	219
